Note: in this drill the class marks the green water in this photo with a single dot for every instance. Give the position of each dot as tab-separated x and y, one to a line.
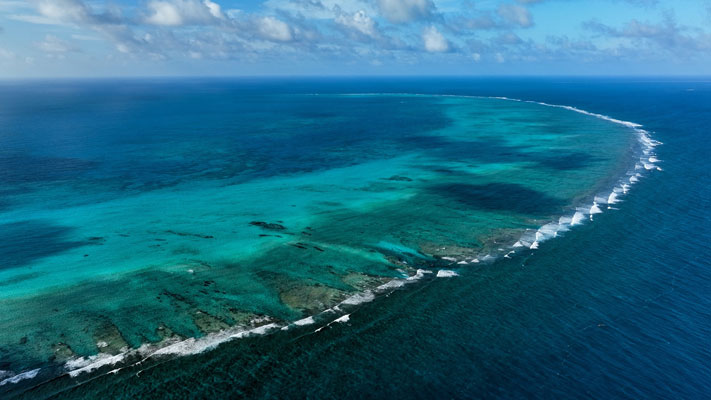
212	250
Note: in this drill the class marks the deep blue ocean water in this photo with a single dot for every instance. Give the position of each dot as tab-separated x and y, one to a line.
618	308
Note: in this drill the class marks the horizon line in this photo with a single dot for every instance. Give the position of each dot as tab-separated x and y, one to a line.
359	77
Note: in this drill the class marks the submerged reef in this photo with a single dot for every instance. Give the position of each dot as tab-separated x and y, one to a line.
300	233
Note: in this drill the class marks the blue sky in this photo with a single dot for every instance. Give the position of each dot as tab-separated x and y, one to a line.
50	38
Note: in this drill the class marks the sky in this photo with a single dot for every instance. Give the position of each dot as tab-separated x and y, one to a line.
98	38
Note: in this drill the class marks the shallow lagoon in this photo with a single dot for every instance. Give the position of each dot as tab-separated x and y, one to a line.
130	216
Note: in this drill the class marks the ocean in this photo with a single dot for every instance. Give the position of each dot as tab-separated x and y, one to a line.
350	238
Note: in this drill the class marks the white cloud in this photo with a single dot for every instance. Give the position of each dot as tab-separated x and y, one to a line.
53	44
516	15
406	10
214	8
666	36
274	29
63	10
182	12
335	31
234	13
434	41
10	5
35	19
123	48
359	21
164	13
68	12
6	54
85	37
320	9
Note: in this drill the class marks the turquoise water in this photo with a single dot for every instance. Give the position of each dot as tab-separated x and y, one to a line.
151	212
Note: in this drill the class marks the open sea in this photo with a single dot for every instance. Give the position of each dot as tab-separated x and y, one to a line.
355	238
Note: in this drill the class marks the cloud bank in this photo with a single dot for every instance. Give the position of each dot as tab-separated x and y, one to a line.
372	33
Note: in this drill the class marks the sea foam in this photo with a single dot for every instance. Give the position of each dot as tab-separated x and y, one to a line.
20	377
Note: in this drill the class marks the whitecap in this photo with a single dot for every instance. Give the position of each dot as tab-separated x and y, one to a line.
343	319
21	377
547	231
595	209
393	284
577	219
259	331
367	296
444	273
612	199
528	237
304	321
420	273
600	200
88	364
